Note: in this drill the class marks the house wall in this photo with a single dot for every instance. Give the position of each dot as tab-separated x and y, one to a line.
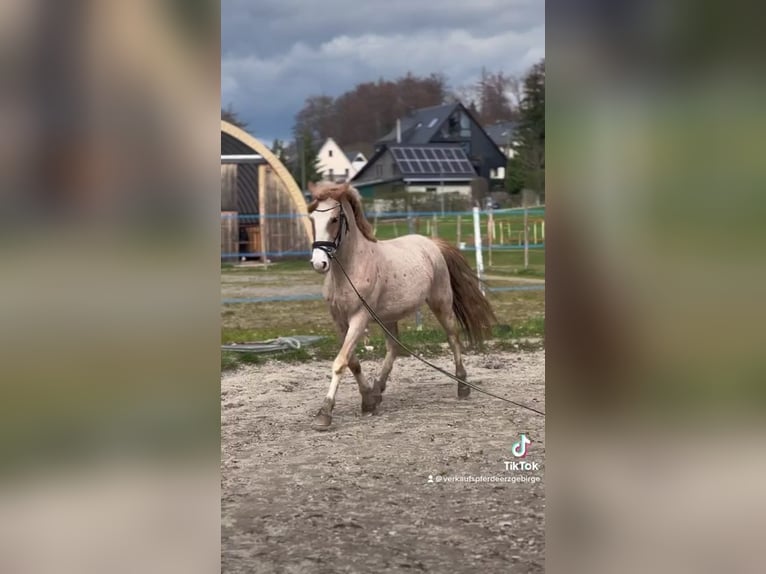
447	188
333	163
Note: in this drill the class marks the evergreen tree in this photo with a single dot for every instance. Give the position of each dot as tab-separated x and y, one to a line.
278	149
229	115
526	169
306	164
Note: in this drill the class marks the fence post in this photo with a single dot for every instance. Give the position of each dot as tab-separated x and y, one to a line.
526	240
502	237
534	233
542	230
375	225
490	233
435	227
396	229
477	243
458	231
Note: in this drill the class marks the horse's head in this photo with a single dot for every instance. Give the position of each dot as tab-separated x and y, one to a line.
328	218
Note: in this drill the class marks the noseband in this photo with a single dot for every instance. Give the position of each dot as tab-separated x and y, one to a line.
330	247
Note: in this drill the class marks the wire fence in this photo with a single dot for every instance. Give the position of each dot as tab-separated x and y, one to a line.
500	231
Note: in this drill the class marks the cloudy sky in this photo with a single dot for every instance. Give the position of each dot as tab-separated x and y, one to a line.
275	53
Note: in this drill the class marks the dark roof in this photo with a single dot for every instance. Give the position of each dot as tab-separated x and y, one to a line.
421	125
502	133
351	155
431	162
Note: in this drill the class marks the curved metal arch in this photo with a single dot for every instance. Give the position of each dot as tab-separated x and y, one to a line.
279	169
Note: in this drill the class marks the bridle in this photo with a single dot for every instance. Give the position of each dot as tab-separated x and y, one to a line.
330	247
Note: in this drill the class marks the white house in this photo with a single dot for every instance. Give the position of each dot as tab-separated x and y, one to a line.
336	165
504	135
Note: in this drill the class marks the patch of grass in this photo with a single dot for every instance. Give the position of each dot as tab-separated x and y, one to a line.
512	345
428	342
534	327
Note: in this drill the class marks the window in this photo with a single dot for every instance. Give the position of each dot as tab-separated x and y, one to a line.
329	153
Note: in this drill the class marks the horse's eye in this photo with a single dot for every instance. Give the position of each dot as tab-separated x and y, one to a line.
334	220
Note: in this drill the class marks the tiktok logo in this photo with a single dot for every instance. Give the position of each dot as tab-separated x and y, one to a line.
519	448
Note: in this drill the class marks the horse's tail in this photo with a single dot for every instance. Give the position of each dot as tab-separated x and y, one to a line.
471	307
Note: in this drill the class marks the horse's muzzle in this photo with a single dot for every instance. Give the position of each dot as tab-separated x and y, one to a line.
320	261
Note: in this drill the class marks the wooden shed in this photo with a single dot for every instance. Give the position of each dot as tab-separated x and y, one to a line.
263	212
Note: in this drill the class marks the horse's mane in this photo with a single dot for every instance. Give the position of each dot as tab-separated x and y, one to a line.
340	191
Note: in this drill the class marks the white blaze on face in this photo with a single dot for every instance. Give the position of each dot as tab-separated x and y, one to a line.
325	219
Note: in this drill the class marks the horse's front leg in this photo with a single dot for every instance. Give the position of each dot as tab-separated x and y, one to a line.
356	326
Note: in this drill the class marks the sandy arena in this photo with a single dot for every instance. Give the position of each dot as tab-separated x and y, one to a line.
358	498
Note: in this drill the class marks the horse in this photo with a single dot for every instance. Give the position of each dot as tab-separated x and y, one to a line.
396	277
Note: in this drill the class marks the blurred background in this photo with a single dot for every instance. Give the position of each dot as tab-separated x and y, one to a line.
654	306
110	295
109	408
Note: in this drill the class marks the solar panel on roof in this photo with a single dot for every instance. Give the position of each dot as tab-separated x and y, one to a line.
432	161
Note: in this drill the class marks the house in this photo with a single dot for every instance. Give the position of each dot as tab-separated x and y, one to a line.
504	136
357	159
440	149
336	165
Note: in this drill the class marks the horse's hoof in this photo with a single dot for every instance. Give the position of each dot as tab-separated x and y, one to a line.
463	391
322	421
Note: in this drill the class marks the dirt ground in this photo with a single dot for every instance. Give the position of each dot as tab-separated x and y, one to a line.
358	498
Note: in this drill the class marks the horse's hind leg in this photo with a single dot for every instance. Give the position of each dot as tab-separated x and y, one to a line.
446	317
388	362
370	398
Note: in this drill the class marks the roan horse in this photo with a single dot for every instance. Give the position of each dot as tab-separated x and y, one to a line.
395	277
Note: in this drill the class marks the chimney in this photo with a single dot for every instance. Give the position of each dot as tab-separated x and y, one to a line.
398	131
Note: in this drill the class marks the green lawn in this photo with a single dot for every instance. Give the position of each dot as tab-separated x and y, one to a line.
507	254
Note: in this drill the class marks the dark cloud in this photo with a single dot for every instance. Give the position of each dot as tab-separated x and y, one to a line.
275	53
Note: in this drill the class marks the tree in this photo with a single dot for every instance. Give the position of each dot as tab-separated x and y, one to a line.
494	98
229	115
369	110
526	169
279	149
306	164
317	116
494	103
